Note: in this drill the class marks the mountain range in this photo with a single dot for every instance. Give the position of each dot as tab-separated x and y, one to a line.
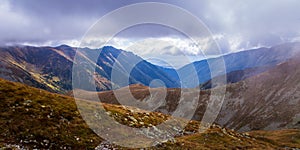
265	97
50	68
262	95
241	65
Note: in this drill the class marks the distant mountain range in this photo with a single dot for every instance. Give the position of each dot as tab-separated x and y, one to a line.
50	68
241	65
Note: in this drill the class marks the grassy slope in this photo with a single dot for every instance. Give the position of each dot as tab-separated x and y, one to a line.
280	138
35	118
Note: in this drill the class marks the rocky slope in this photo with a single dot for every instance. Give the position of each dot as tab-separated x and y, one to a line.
270	100
32	118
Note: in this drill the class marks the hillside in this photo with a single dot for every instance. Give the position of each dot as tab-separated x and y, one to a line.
50	68
247	62
34	118
266	101
235	76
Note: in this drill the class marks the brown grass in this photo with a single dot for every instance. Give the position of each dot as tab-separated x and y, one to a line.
34	118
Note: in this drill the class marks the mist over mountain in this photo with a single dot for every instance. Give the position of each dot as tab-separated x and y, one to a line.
159	62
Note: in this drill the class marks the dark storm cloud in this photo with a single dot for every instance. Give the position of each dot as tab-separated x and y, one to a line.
241	24
40	21
50	20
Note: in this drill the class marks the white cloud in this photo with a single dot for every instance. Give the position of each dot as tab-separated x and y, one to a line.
177	52
236	25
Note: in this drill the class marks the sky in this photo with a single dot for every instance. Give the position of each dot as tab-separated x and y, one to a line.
234	25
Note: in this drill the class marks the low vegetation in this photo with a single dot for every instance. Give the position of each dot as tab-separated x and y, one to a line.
33	118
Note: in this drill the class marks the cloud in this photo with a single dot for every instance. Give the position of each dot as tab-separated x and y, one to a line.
254	22
175	52
40	22
235	25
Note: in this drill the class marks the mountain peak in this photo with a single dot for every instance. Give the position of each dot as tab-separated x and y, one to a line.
63	46
113	49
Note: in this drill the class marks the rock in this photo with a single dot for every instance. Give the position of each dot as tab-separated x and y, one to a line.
108	113
132	118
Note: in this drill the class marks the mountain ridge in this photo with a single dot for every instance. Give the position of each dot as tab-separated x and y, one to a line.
256	58
50	68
